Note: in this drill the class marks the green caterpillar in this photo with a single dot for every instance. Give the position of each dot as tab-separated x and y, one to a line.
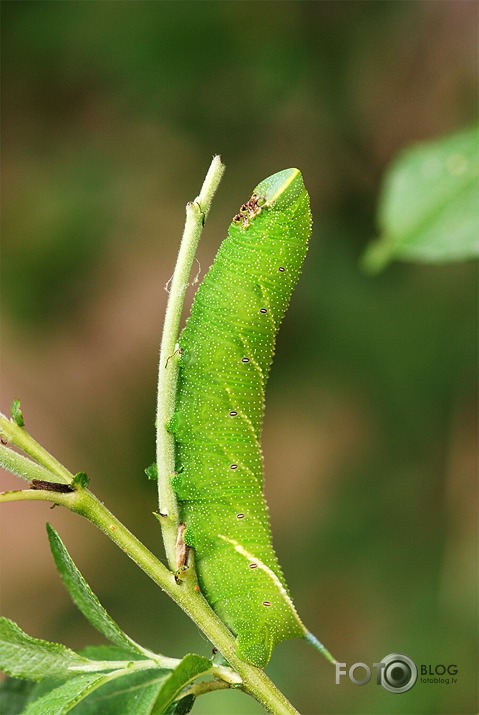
226	350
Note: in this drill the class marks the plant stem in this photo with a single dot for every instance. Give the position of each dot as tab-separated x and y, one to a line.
254	681
196	213
23	440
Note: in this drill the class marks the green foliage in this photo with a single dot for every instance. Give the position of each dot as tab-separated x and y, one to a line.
190	668
62	698
152	472
429	210
148	692
16	413
35	659
84	598
129	678
80	480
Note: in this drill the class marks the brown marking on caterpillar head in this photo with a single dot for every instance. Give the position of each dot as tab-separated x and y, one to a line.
248	211
253	206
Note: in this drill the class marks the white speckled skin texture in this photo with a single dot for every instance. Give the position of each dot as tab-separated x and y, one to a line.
227	350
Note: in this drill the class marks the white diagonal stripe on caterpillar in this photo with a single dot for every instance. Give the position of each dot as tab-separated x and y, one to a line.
269	572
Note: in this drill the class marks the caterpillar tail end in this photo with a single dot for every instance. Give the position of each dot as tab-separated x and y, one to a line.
319	646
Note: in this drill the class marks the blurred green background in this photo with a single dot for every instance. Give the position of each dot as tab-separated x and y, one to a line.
111	113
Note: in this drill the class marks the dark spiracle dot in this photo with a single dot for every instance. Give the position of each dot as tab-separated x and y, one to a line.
281	269
266	603
240	516
233	466
245	359
233	413
263	310
253	566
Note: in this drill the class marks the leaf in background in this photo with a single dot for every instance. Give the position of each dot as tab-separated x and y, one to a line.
14	695
84	598
32	658
190	668
429	209
181	707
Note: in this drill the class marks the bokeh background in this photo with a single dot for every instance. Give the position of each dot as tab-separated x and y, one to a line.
111	114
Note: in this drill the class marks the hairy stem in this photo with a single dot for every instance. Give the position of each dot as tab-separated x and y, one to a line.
19	437
23	467
196	213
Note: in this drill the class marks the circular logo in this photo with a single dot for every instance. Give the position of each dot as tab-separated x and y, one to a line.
399	673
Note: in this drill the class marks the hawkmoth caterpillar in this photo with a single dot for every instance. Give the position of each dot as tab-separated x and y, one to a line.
225	354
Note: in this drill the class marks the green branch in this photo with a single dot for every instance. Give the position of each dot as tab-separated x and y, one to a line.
196	213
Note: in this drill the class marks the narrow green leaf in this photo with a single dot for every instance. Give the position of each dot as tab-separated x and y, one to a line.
24	657
62	699
14	695
83	596
190	668
429	208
